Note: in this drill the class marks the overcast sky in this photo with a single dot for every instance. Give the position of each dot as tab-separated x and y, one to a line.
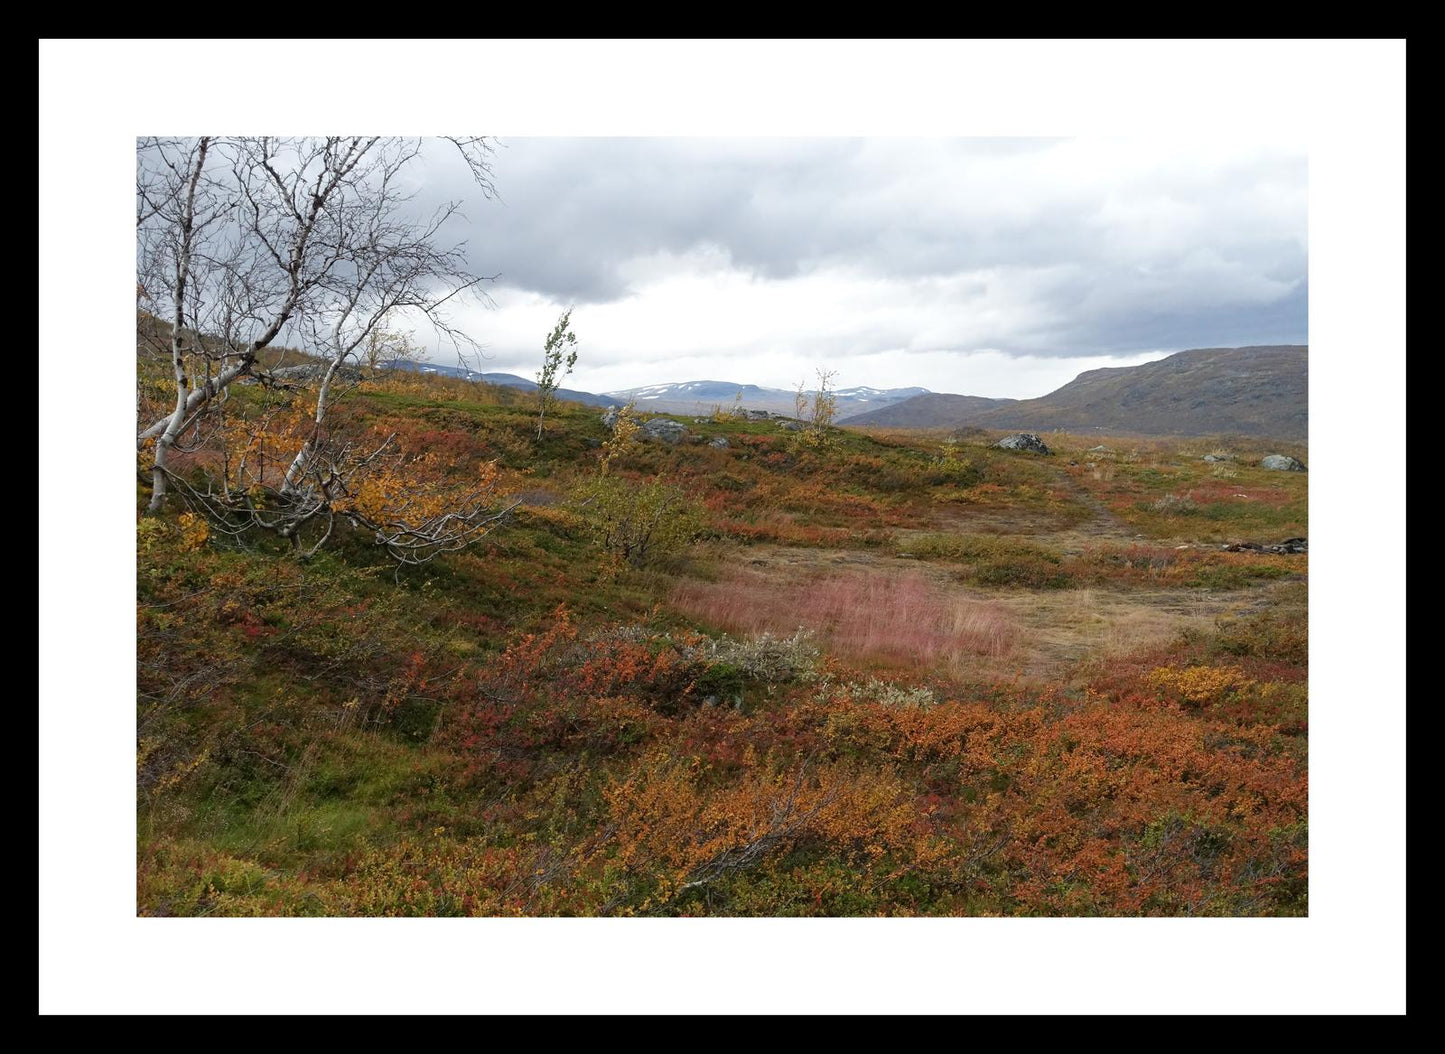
996	267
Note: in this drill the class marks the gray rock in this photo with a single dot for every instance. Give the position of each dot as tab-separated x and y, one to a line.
791	426
720	442
1288	547
609	416
1217	457
296	373
665	429
314	372
1029	441
1282	463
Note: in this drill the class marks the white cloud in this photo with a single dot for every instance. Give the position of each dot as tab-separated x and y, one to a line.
897	261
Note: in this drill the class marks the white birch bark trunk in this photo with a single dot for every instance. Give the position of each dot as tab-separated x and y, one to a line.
298	463
172	424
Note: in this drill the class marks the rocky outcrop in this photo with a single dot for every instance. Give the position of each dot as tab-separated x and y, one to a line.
720	442
609	416
1288	547
1029	441
1282	463
665	429
313	372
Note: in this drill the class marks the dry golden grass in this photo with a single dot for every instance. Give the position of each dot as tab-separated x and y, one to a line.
1089	625
859	614
874	607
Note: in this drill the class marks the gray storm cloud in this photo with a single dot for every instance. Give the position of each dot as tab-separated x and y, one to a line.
1043	248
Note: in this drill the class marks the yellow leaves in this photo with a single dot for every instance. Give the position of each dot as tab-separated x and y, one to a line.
188	534
1198	685
145	748
150	535
374	497
183	769
412	493
623	440
194	531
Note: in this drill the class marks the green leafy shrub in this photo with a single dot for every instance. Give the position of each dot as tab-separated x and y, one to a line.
639	522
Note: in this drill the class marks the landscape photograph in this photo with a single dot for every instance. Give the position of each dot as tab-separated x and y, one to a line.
426	628
562	526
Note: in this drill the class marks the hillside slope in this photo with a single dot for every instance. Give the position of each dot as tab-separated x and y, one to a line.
871	677
1255	391
931	410
505	380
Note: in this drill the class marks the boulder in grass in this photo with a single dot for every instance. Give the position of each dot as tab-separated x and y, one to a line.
1288	547
314	371
720	442
1029	441
665	429
609	416
1282	463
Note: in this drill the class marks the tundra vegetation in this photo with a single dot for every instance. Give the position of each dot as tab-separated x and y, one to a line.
875	674
415	645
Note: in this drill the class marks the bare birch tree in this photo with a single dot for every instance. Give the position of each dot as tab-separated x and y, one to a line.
180	210
253	237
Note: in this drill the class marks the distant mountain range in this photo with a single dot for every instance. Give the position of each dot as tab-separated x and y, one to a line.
506	380
1261	391
699	397
686	397
931	410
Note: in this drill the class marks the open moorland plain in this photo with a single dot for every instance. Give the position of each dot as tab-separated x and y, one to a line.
707	665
